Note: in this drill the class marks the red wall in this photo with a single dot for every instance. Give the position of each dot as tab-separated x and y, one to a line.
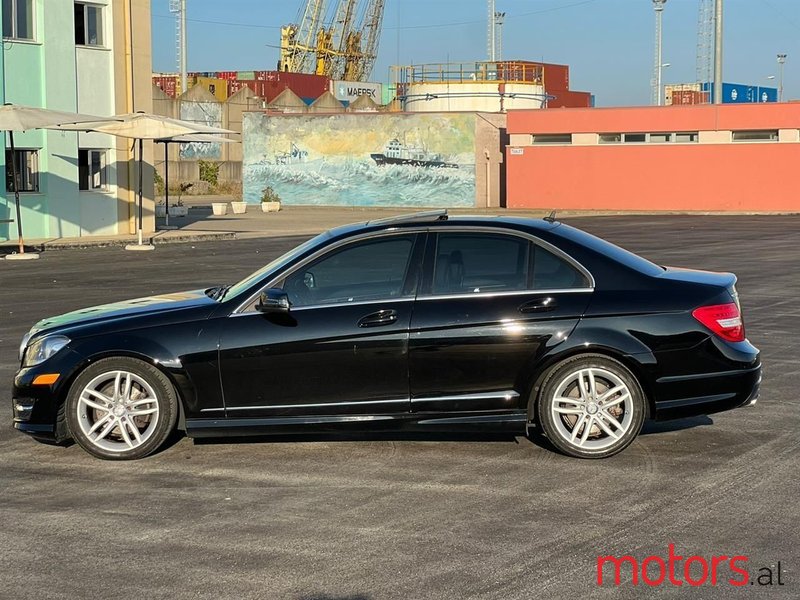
687	177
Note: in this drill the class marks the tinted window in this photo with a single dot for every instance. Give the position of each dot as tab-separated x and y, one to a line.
551	272
472	263
372	270
609	250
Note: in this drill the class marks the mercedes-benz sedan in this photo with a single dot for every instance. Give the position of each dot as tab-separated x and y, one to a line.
421	322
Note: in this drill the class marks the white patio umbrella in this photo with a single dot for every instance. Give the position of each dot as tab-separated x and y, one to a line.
203	138
145	126
15	117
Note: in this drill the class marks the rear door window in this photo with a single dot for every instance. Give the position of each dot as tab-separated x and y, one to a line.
469	263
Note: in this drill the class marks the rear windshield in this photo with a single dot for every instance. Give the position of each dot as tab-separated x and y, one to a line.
612	251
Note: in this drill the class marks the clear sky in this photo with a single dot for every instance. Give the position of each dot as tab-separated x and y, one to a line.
609	44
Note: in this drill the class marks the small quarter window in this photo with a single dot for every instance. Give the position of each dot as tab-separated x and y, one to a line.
551	272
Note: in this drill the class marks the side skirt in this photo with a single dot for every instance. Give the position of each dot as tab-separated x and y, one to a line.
490	421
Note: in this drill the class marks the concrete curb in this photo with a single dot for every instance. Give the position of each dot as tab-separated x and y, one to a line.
160	238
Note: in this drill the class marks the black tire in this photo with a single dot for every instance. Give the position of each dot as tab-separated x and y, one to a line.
155	426
622	413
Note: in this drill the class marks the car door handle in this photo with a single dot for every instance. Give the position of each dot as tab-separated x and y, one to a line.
539	305
382	317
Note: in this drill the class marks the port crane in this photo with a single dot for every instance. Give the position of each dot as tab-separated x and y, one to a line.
339	41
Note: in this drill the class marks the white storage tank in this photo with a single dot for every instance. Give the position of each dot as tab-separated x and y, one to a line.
480	86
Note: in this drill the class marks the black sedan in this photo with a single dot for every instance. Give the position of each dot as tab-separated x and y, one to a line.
421	322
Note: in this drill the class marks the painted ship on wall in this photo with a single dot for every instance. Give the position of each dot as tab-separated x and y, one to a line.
397	153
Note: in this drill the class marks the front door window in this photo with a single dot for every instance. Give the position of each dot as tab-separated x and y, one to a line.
360	272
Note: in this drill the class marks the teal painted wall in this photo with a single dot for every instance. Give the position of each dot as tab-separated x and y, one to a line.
43	73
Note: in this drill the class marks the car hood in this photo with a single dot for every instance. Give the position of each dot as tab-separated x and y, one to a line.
124	309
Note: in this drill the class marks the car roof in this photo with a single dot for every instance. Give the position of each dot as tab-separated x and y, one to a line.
584	247
440	219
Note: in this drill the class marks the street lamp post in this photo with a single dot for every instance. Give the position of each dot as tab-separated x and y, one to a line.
658	6
781	62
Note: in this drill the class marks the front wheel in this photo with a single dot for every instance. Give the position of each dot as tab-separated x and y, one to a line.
121	409
591	407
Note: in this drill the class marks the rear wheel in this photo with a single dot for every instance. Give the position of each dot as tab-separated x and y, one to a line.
591	407
121	409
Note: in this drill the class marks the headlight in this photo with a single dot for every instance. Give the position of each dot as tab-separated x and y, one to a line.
23	345
43	348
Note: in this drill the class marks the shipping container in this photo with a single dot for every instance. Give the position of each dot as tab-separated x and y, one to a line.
169	84
216	86
269	84
245	75
227	75
739	93
349	91
235	86
686	97
569	99
556	77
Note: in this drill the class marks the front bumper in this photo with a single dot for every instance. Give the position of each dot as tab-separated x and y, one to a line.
36	407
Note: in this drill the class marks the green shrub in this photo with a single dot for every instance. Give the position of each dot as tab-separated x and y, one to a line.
159	181
209	172
269	195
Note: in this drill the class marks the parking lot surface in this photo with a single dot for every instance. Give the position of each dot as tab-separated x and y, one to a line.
371	517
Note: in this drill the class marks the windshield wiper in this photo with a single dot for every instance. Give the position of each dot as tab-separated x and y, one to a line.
220	295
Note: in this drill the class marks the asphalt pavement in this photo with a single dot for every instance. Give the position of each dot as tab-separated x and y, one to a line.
373	517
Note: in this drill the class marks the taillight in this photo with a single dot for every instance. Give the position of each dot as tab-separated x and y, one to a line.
724	320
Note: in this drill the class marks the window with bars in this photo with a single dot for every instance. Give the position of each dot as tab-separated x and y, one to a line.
27	163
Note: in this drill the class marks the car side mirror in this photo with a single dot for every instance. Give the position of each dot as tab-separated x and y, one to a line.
273	301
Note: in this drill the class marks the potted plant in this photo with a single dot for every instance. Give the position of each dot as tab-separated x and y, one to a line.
161	209
270	200
178	209
219	208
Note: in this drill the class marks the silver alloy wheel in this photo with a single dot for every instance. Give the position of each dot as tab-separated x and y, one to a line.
118	411
592	408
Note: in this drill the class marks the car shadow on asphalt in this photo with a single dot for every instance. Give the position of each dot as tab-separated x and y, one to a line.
534	435
651	427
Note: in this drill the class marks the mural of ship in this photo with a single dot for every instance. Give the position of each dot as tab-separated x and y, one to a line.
397	153
294	156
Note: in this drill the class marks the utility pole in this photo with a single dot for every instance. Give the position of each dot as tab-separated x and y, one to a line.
491	43
781	63
499	18
178	8
718	52
184	87
658	67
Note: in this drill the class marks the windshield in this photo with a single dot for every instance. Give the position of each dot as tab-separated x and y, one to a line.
279	262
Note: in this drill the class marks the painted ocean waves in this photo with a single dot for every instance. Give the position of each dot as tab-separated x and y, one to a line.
352	160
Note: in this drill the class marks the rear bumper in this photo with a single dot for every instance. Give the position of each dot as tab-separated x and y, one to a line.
692	395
